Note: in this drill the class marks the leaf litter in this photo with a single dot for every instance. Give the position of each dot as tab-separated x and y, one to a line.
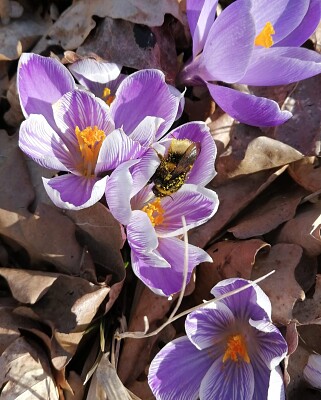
66	286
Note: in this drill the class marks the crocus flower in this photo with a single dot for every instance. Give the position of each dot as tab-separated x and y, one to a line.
231	351
312	371
103	79
70	130
153	223
253	43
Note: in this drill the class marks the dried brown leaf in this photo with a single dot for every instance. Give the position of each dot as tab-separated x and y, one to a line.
25	373
269	214
296	363
28	286
307	173
302	132
75	24
304	230
281	287
230	259
309	311
105	383
134	46
234	196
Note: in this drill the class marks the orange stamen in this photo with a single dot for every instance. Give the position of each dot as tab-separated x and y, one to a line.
90	140
155	212
108	96
236	349
264	38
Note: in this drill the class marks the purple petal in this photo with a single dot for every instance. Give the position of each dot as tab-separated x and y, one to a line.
143	94
177	370
166	281
247	108
285	16
229	44
196	203
141	235
118	194
41	143
141	174
249	303
81	109
41	81
94	71
181	98
281	65
200	16
203	170
208	325
146	130
74	192
305	29
228	381
270	347
312	371
116	149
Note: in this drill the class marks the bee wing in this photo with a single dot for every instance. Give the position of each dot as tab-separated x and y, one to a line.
187	160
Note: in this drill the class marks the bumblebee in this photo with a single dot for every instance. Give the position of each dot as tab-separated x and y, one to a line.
174	166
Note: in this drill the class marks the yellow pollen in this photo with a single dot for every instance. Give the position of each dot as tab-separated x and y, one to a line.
236	349
155	212
108	96
90	140
264	38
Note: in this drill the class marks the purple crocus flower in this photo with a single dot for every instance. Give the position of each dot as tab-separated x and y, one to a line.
231	351
70	130
153	223
312	371
253	43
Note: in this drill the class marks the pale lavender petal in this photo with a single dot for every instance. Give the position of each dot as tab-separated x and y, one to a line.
276	386
74	192
208	325
249	303
307	26
200	16
144	93
146	130
118	192
312	371
203	170
281	65
95	71
41	143
41	81
196	203
81	109
228	381
247	108
284	15
141	174
141	235
229	44
271	346
166	281
177	371
181	99
116	149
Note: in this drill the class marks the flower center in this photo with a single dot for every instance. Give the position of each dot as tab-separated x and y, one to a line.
109	98
236	349
155	212
90	140
264	38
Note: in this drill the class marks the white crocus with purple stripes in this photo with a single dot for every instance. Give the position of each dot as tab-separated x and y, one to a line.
232	351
